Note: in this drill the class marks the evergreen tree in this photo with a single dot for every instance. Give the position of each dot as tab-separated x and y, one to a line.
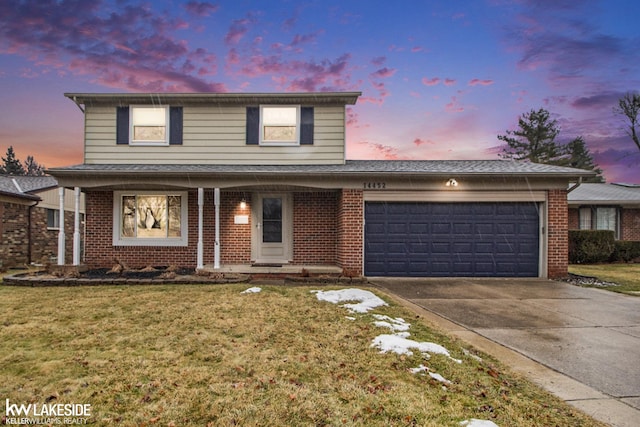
578	156
534	140
11	165
32	167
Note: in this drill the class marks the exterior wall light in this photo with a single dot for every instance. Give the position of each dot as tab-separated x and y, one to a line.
452	183
243	204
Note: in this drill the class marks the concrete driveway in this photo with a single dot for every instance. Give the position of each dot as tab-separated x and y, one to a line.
588	339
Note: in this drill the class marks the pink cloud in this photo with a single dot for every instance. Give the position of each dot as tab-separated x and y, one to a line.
369	100
378	61
449	82
373	151
419	141
238	29
200	8
132	48
416	49
453	106
384	73
325	75
476	82
430	82
300	39
352	118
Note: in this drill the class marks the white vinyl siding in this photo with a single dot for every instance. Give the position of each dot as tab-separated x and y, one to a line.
215	135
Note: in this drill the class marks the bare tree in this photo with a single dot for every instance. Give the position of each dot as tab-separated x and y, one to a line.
629	106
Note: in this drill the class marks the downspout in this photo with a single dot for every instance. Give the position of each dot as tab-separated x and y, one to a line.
574	186
29	248
78	104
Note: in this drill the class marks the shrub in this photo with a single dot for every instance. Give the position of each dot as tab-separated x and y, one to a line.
626	251
590	246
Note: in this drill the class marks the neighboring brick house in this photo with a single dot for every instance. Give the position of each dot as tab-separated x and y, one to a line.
232	181
613	207
29	208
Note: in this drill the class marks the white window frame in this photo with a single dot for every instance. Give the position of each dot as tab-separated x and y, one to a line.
56	219
585	218
132	124
592	219
262	140
118	240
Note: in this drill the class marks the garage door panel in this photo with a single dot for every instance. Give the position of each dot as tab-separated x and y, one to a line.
451	239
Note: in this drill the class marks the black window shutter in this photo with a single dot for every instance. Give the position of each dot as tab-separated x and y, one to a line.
122	125
175	126
306	126
253	125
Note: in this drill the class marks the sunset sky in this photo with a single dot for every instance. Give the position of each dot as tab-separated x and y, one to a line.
439	79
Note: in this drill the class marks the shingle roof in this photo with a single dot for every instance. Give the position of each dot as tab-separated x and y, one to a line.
604	193
26	186
351	167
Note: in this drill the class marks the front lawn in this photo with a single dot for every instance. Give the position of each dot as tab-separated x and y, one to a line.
211	355
627	276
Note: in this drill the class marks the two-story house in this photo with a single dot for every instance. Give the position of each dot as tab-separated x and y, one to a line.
239	180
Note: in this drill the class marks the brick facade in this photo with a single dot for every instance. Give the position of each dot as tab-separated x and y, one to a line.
314	232
235	239
557	234
351	230
630	221
327	229
315	228
39	244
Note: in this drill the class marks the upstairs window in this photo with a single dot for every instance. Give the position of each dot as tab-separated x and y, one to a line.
149	125
277	125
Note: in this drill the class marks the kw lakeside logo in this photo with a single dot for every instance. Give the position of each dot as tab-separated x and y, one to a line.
35	414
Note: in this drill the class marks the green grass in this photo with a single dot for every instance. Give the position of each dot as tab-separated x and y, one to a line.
209	356
627	276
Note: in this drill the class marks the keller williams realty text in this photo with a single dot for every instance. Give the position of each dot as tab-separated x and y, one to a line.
55	410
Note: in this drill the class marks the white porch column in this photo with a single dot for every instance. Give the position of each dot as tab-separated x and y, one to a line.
200	226
61	228
76	228
216	249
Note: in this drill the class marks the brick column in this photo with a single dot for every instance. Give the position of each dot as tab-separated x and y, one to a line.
351	230
558	234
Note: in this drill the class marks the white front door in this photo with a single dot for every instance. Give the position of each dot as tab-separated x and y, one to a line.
273	228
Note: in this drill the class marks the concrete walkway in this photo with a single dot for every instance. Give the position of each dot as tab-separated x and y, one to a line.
581	344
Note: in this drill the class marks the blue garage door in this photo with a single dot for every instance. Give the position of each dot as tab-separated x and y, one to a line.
451	239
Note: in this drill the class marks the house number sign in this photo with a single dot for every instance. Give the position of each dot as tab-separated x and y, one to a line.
375	185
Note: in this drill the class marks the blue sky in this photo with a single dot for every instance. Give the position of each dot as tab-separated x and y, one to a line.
439	79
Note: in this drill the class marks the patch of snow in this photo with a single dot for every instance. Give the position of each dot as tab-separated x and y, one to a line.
350	318
471	355
478	423
253	290
433	375
367	300
397	324
401	345
419	369
439	377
